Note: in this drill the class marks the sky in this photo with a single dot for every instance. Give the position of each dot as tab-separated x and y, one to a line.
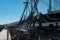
11	10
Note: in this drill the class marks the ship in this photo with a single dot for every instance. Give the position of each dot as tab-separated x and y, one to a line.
36	26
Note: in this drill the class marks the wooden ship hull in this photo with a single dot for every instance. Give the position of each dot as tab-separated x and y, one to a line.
36	29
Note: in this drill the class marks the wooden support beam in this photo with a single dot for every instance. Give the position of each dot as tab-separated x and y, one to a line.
7	34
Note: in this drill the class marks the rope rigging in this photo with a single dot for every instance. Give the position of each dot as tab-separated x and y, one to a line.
53	5
56	4
23	17
34	9
59	3
46	4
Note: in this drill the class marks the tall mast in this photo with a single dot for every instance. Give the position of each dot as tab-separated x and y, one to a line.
50	6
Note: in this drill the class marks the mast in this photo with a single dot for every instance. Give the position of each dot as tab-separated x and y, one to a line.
25	10
34	9
50	6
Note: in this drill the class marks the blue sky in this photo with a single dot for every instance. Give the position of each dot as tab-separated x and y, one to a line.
11	10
